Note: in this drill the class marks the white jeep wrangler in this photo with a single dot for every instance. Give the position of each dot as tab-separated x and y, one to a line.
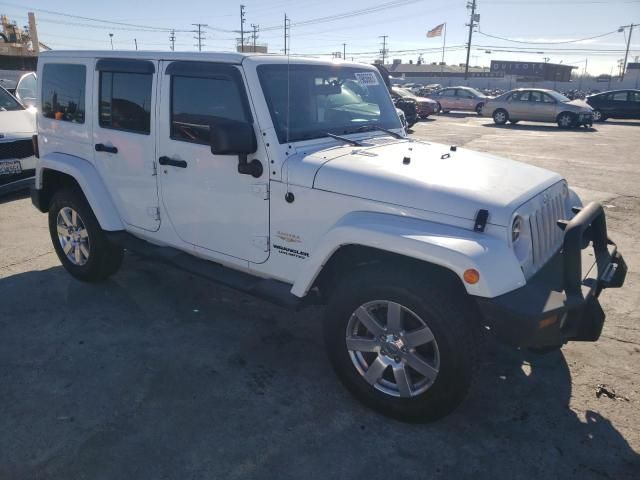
292	180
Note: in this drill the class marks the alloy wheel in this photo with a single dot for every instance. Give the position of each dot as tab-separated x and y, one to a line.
392	348
73	236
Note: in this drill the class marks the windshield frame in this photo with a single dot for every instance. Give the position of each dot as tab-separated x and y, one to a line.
387	117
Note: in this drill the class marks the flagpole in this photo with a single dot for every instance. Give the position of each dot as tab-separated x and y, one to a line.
444	43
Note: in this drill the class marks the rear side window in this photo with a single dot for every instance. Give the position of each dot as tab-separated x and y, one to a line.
520	96
63	88
619	97
196	102
125	101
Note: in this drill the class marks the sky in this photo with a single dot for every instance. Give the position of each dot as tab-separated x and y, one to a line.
360	24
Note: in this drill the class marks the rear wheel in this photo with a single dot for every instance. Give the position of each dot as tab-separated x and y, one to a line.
79	242
566	120
500	116
479	108
598	116
401	342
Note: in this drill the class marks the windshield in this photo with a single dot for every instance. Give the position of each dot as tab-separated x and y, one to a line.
475	92
325	99
7	102
558	96
404	93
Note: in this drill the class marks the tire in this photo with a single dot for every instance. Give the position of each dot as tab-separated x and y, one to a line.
72	225
424	302
598	116
439	108
566	120
479	108
424	117
500	116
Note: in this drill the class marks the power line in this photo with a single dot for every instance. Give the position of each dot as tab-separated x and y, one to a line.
547	43
79	17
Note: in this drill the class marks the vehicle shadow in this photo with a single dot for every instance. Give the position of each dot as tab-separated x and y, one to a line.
10	197
539	127
630	123
458	114
156	371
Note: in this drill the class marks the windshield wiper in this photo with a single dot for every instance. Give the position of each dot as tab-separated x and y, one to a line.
345	139
370	128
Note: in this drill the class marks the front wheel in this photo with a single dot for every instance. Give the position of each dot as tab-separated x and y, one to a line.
80	243
566	120
401	342
598	116
479	108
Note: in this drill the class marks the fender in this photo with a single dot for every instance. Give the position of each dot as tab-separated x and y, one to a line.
90	182
454	248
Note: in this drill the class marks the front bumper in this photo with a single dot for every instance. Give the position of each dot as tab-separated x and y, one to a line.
585	119
560	302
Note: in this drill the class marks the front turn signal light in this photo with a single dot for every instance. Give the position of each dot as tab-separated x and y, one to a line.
471	276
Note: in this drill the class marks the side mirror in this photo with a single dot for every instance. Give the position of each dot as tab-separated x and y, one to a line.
233	137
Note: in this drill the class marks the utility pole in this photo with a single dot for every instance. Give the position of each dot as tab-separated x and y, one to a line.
472	24
287	34
172	40
33	33
626	55
344	51
111	39
199	37
254	35
384	47
242	28
135	40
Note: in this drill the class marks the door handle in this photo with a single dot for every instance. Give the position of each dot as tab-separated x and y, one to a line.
172	162
101	147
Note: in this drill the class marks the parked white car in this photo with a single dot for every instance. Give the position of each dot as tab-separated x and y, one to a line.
250	170
17	127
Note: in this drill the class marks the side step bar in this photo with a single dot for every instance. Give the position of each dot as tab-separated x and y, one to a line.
274	291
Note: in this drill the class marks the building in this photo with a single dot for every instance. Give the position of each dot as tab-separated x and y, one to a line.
418	72
533	71
19	47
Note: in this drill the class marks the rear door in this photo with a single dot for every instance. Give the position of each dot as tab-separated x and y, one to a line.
518	107
465	100
124	137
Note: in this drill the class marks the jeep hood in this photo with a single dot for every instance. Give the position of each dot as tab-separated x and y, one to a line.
433	178
18	123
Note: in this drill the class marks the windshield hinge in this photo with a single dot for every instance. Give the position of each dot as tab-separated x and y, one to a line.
154	166
261	190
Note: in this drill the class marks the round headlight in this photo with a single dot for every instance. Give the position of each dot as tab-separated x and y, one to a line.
516	229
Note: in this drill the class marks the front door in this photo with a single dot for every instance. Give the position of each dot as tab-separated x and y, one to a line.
208	202
124	137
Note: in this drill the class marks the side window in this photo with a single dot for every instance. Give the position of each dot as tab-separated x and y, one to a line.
535	97
520	96
125	101
196	102
619	97
464	94
547	98
634	97
63	87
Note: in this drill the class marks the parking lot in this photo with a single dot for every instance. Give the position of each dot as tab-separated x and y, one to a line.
160	374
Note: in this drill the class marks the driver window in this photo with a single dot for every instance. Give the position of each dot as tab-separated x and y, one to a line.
535	97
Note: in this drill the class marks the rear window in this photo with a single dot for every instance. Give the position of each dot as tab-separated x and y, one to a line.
63	92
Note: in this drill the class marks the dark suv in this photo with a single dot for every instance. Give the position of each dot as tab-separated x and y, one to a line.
615	104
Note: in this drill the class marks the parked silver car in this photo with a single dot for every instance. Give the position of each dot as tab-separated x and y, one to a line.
538	105
459	98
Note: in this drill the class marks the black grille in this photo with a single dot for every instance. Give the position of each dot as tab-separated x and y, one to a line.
17	149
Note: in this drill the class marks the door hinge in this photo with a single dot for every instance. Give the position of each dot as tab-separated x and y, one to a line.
154	166
261	243
154	212
261	190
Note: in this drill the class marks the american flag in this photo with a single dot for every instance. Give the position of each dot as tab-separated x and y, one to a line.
435	32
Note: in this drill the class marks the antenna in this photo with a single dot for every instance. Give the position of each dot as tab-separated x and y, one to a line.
287	36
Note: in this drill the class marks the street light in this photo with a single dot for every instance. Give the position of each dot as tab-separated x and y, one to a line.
111	39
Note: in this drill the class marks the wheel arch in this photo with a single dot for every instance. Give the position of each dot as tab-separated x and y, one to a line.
58	170
362	237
